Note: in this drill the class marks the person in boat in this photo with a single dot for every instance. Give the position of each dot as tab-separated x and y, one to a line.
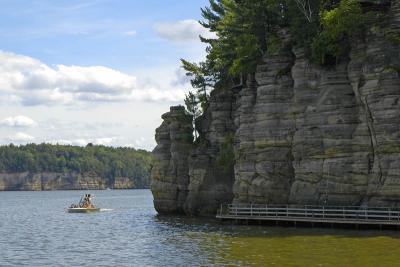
81	203
85	202
89	202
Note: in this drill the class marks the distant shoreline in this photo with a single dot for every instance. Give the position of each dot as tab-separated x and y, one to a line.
52	181
43	167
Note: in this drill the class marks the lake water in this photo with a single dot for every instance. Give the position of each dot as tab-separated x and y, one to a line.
35	230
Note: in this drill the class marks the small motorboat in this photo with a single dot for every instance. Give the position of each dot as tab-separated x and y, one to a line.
82	210
85	205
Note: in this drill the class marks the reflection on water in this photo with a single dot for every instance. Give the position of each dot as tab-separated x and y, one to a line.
238	245
35	230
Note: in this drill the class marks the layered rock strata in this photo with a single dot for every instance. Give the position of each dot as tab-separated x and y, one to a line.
170	173
210	177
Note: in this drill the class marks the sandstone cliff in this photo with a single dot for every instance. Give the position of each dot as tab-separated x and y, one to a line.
60	181
302	135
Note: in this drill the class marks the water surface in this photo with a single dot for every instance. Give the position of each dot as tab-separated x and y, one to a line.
35	230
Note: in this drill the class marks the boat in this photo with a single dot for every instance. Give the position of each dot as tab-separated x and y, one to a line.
83	210
85	205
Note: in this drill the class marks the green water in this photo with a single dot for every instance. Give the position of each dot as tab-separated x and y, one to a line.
241	245
307	247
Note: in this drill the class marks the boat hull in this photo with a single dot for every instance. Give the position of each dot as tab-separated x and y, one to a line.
83	210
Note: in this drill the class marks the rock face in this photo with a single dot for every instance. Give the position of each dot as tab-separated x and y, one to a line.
59	181
186	177
210	175
303	134
170	173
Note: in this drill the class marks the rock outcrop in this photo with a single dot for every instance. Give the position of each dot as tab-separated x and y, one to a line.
60	181
170	173
303	134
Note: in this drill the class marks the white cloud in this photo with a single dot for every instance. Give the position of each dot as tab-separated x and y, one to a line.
18	121
104	140
181	79
140	143
20	138
182	31
130	33
60	142
31	82
80	142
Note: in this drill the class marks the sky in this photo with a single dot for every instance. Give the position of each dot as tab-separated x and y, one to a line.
99	71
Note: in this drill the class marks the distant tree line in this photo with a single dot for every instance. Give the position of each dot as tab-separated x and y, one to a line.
107	162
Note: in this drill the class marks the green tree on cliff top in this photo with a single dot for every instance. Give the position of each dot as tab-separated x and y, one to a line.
246	30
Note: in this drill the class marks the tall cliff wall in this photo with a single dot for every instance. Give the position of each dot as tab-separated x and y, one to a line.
302	134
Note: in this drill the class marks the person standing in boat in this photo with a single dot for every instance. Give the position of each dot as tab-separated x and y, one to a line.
89	201
81	202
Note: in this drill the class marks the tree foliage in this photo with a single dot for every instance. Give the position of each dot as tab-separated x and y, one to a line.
242	29
107	162
339	23
246	30
202	79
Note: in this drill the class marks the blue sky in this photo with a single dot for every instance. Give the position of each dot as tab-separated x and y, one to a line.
94	32
99	71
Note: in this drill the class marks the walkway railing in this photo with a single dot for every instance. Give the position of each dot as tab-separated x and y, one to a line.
341	214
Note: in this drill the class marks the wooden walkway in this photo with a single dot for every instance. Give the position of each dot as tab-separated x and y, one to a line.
311	214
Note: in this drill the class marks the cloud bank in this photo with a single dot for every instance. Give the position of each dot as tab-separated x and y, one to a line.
18	121
20	137
182	31
30	82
